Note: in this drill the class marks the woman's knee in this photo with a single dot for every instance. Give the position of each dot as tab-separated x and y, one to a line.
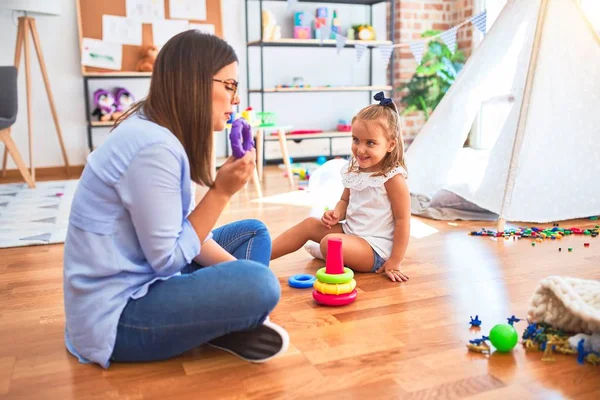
261	286
258	227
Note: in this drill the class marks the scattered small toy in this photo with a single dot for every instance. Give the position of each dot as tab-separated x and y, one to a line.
476	321
554	233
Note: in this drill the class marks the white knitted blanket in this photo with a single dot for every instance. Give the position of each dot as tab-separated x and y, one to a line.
566	303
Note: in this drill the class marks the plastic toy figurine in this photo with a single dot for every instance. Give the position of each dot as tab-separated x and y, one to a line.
475	322
512	320
105	105
479	345
240	129
530	331
123	100
581	353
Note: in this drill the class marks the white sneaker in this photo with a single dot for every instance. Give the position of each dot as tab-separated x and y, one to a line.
314	249
256	345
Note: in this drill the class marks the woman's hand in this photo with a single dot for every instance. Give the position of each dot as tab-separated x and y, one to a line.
330	218
392	269
234	174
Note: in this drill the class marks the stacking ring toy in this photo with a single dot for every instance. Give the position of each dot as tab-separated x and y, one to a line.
344	277
240	129
333	300
301	281
340	288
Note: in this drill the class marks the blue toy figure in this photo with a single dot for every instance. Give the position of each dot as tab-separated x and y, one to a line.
512	320
476	321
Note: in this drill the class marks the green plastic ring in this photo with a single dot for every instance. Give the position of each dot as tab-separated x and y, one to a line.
324	277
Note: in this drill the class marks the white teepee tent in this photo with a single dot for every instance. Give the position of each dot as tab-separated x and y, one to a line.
537	73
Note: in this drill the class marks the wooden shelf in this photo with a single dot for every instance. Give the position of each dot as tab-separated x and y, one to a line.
352	2
315	43
117	74
321	135
323	89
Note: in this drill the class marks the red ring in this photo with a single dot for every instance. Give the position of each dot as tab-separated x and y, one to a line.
334	300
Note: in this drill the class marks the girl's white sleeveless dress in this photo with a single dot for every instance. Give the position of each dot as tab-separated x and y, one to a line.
369	214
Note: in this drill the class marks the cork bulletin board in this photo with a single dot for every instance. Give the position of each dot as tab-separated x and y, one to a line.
89	18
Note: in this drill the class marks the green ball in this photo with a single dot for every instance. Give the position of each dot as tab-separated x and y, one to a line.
504	337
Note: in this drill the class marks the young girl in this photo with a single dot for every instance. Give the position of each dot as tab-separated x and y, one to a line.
375	203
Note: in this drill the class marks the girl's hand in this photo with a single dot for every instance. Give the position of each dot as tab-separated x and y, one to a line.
392	270
330	218
234	174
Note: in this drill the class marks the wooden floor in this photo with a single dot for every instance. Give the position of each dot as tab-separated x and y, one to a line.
397	341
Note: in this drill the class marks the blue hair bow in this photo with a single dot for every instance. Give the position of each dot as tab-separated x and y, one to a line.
384	101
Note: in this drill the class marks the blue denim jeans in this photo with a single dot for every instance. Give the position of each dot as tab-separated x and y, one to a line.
183	312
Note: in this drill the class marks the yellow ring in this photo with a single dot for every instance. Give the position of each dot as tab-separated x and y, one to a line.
336	289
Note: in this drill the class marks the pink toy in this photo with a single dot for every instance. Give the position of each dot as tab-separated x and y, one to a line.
334	300
302	32
335	259
334	274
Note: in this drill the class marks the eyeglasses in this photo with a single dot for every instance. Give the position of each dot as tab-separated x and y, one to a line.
230	85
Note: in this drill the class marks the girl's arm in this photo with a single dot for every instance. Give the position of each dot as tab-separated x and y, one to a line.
342	205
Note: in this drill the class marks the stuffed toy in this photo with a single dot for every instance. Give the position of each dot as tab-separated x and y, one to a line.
271	31
105	105
123	100
146	64
364	32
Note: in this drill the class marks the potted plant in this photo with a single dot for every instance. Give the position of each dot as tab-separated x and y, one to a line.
433	77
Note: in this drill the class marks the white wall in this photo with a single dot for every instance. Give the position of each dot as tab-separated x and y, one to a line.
318	66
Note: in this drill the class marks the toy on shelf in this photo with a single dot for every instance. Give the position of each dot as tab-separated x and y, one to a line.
249	115
364	32
344	126
240	137
266	118
350	34
336	26
302	26
335	285
123	100
105	105
320	21
271	31
149	54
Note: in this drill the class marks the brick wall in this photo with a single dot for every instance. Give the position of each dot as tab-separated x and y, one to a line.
411	19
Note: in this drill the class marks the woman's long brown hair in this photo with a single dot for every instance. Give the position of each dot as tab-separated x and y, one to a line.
180	95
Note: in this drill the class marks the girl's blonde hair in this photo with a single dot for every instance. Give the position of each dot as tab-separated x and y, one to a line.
386	112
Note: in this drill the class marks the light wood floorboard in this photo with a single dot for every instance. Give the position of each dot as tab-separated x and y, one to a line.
396	341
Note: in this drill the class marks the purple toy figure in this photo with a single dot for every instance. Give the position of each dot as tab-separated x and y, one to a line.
240	129
105	105
123	100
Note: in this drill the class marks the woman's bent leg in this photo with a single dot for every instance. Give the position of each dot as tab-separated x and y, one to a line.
245	240
186	311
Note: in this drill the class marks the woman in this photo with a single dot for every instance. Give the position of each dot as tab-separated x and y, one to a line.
144	277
